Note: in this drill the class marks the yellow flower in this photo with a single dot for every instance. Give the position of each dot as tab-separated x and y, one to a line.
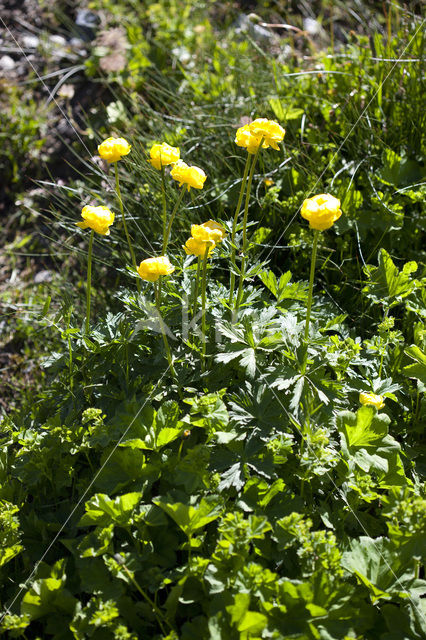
191	176
163	154
112	149
270	131
210	231
194	247
371	399
97	218
245	138
152	268
217	229
322	211
267	131
204	235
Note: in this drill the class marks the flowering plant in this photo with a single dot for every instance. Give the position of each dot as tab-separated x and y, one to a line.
163	154
112	149
97	218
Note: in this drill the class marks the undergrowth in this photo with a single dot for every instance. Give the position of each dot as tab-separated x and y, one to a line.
241	490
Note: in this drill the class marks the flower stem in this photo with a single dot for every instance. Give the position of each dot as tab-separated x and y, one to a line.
163	196
163	331
203	306
157	611
197	286
126	231
89	281
172	217
234	227
244	248
311	286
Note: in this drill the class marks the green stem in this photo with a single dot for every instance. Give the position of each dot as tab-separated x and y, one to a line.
89	281
246	206
126	231
163	195
203	306
234	227
163	332
197	286
172	217
158	613
311	284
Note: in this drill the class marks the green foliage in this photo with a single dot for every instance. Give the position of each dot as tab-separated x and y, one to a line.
249	495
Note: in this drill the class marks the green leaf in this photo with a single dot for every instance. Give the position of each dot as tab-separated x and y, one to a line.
366	428
120	468
47	595
417	370
190	518
387	282
103	510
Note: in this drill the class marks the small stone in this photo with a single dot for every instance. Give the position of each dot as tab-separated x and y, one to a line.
7	63
59	41
312	27
30	41
43	276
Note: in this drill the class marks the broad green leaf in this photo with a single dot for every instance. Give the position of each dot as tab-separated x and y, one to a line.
47	595
418	369
365	428
378	566
190	518
103	510
120	468
387	281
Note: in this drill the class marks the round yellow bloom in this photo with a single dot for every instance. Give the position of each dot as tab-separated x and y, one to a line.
204	236
264	131
217	229
322	211
270	131
245	138
163	154
191	176
97	218
152	268
112	149
194	247
371	399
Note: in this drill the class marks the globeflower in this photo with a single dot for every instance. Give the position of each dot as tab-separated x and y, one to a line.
321	211
112	149
163	154
270	131
204	236
245	138
371	399
152	268
210	231
97	218
261	131
194	247
191	176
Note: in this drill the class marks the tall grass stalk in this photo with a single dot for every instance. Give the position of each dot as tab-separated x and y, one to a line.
89	281
234	228
126	231
245	243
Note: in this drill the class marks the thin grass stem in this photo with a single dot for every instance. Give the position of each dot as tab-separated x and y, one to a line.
234	227
172	217
310	291
244	247
126	231
89	281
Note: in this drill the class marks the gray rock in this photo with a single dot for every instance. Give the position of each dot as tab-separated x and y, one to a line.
30	41
7	63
